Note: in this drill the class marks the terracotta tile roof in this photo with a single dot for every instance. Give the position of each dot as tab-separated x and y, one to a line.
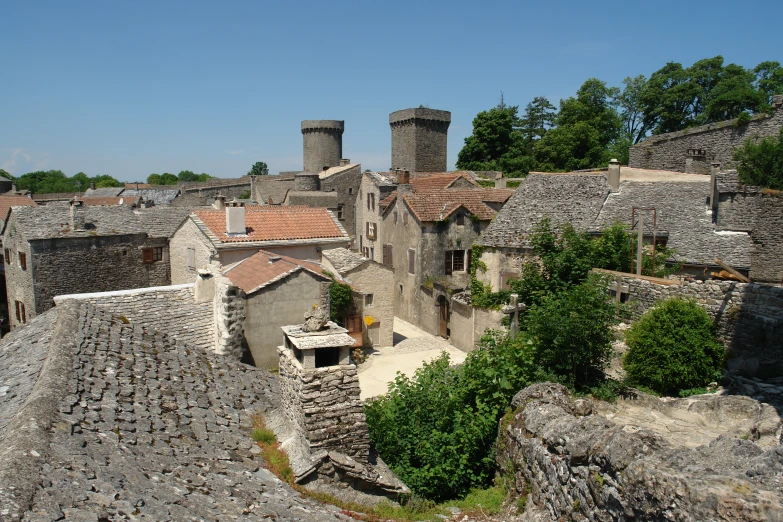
437	205
273	223
6	202
92	201
264	268
438	180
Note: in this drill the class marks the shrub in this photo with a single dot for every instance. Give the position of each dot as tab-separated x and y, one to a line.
761	163
571	332
436	429
672	348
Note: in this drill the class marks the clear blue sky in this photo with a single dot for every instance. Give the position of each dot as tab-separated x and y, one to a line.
131	88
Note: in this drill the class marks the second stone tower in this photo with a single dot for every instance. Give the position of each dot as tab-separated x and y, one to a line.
323	144
419	139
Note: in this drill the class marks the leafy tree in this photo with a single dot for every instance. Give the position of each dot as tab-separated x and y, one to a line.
6	174
340	300
259	168
635	128
734	94
188	175
162	179
570	331
673	348
761	163
769	78
538	118
50	181
105	181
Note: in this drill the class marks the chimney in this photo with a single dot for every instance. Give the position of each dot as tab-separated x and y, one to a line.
403	177
344	162
235	218
500	181
13	187
92	185
777	100
614	175
714	169
137	185
220	202
253	188
76	218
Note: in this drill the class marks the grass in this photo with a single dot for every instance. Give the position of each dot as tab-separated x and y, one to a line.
484	502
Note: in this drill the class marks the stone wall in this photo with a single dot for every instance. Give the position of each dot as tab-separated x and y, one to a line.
228	306
170	310
346	184
188	236
19	282
718	140
419	139
325	407
378	280
469	324
748	317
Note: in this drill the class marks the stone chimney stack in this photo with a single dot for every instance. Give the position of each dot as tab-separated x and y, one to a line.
500	181
13	187
76	218
92	185
235	218
777	100
614	175
714	169
307	181
344	162
403	176
253	188
220	202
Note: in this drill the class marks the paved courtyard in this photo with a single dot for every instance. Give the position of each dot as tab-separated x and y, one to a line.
412	348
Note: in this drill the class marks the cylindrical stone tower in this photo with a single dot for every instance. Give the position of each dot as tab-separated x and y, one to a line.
323	144
419	139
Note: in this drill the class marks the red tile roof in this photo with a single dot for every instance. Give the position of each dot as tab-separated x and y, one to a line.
6	202
437	205
437	180
276	224
263	268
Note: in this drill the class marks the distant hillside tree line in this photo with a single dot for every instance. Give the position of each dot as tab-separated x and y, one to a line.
172	179
600	122
49	181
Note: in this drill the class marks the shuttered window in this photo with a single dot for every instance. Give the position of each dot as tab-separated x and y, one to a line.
191	257
23	260
459	261
146	255
388	260
447	262
411	261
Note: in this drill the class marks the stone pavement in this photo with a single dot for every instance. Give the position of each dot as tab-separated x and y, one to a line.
413	347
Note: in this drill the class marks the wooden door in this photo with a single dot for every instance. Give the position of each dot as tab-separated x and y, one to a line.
443	318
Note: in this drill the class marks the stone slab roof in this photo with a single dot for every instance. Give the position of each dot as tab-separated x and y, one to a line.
162	222
110	192
328	173
311	198
156	195
343	260
273	188
438	205
44	222
565	198
331	336
381	179
264	268
141	426
94	201
272	223
682	212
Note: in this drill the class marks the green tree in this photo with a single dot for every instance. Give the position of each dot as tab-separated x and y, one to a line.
538	118
162	179
6	174
761	163
496	144
673	348
104	181
259	168
188	175
769	78
635	128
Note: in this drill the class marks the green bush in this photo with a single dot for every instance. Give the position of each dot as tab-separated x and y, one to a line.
571	332
673	348
437	429
761	163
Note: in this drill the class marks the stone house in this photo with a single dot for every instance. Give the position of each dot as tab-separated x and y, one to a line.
276	288
427	239
375	285
55	250
230	234
695	149
6	203
675	213
376	187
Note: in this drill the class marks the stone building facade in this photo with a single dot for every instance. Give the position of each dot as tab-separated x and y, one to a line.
419	139
693	150
50	254
322	144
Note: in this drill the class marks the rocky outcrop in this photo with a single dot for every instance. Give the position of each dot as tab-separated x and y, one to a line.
580	460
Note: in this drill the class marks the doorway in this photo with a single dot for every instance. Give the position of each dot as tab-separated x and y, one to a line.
443	317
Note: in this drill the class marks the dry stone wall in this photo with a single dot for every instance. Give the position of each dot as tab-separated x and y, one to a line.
748	317
325	407
717	141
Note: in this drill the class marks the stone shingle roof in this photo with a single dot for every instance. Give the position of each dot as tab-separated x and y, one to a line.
105	192
438	205
565	198
343	260
274	188
381	179
157	196
265	223
94	201
141	424
46	222
682	212
264	268
162	221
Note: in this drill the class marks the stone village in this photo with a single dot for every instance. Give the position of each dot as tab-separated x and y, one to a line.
129	393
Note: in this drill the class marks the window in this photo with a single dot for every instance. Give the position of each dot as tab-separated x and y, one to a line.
368	298
366	252
23	260
411	261
371	230
395	217
146	255
191	258
405	218
400	288
387	256
150	255
350	190
21	313
372	253
460	218
340	212
454	261
7	256
370	201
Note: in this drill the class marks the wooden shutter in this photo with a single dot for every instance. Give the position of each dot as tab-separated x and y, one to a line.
23	260
147	255
411	261
448	261
18	313
470	256
24	313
